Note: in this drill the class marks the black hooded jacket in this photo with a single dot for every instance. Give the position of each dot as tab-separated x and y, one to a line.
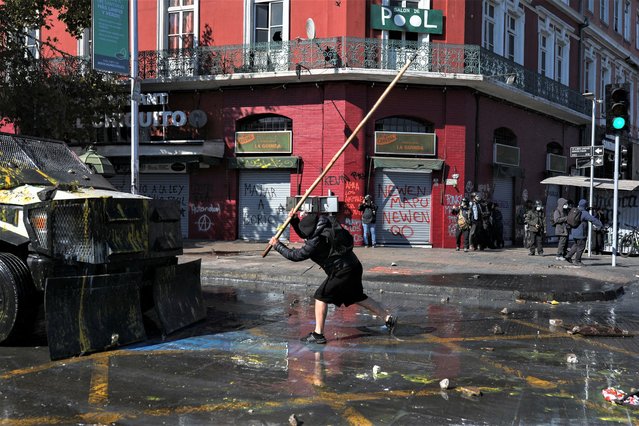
316	247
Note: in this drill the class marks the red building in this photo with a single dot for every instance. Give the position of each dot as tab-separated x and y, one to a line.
247	101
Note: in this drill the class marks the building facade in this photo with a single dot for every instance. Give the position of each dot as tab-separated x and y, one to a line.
244	103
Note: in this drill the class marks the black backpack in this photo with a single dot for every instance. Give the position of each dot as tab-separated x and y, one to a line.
340	239
574	217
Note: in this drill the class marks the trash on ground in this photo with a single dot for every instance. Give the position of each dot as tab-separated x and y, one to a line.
487	349
293	420
444	384
393	264
572	359
504	311
555	321
470	391
618	396
497	330
599	330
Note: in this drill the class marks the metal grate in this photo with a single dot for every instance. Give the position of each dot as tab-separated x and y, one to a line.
38	221
72	236
43	154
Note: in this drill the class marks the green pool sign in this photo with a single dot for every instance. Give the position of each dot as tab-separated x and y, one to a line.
397	18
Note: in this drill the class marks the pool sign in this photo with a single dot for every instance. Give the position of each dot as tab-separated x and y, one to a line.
397	18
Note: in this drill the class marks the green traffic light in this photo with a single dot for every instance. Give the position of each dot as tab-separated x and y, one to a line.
618	123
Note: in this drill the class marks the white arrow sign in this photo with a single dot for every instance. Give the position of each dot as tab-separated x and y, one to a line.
598	160
598	150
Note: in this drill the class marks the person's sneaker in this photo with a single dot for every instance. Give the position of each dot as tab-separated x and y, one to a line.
569	260
531	254
559	258
578	263
466	250
314	338
391	323
457	249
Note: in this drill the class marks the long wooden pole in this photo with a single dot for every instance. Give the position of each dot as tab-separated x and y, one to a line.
341	151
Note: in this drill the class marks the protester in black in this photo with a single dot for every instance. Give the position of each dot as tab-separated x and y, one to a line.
497	219
536	221
580	233
369	213
562	230
343	284
463	214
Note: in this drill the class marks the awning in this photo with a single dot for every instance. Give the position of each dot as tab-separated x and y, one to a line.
263	162
598	183
407	163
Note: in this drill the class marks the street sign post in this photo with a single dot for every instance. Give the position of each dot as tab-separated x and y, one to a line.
582	163
580	151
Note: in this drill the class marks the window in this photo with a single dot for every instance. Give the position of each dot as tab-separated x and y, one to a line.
488	27
503	29
559	62
510	39
181	20
603	11
605	75
543	54
504	136
264	123
268	21
31	41
591	5
616	16
637	31
589	76
403	124
554	49
626	20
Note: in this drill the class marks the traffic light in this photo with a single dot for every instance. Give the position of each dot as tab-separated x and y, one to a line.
617	105
623	158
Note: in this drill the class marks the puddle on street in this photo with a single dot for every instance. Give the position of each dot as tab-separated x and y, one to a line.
246	365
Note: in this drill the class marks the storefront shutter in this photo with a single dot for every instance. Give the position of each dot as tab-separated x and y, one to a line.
403	198
262	203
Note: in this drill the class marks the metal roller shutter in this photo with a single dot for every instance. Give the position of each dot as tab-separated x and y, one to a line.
161	186
403	198
262	203
503	196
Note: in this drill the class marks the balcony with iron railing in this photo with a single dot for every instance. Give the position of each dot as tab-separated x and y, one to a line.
342	54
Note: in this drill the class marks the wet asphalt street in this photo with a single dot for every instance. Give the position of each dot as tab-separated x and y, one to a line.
244	365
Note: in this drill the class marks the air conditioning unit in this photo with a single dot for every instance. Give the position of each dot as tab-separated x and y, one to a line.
556	163
506	155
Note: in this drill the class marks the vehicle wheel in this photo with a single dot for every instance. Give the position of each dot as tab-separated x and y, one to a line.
626	245
16	297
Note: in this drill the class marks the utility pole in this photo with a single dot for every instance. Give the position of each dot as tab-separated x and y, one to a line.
135	97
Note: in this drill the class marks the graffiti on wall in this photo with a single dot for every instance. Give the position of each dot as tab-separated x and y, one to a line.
267	214
405	207
451	201
205	211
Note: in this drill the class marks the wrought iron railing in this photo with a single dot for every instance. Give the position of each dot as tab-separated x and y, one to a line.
302	56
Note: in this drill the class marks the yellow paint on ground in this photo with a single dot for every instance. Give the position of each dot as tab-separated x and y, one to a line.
540	383
99	392
354	417
414	378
